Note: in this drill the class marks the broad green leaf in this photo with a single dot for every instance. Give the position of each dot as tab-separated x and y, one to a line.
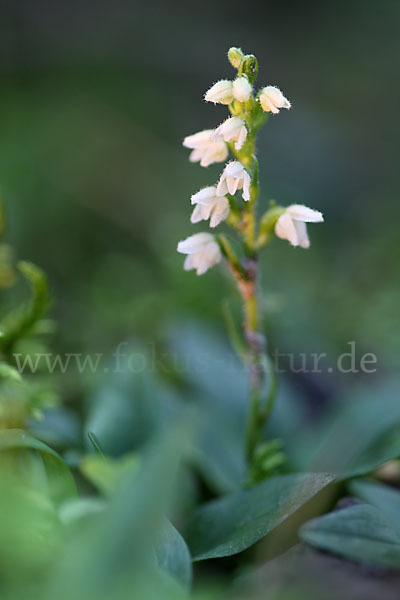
235	522
361	533
383	497
351	439
59	480
173	555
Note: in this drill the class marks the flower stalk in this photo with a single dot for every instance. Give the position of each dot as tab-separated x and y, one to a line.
234	199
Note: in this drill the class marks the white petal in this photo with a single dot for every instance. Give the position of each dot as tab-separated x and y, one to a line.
241	138
286	230
229	130
215	152
201	213
212	253
272	99
195	243
233	184
302	237
220	211
205	196
220	92
241	89
267	105
234	169
189	262
303	213
246	186
196	215
202	264
210	256
198	139
196	155
222	187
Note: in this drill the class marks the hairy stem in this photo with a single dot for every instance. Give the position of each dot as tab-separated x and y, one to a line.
256	349
248	281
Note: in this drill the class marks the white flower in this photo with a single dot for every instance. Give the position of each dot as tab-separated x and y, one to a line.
291	225
241	89
205	148
220	93
234	177
232	130
272	99
202	250
208	204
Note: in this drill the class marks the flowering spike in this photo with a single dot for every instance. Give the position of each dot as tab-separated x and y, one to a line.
218	203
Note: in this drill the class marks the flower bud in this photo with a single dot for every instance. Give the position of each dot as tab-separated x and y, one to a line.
235	57
250	66
220	93
241	89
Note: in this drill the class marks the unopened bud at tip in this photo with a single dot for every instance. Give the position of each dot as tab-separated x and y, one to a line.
250	67
235	57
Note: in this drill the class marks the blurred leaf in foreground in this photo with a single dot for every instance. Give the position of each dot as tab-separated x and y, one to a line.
116	552
30	460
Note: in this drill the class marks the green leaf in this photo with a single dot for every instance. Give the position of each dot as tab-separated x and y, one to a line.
360	533
236	522
361	424
173	555
59	480
118	548
383	497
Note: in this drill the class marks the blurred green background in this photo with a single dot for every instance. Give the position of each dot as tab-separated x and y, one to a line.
96	99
